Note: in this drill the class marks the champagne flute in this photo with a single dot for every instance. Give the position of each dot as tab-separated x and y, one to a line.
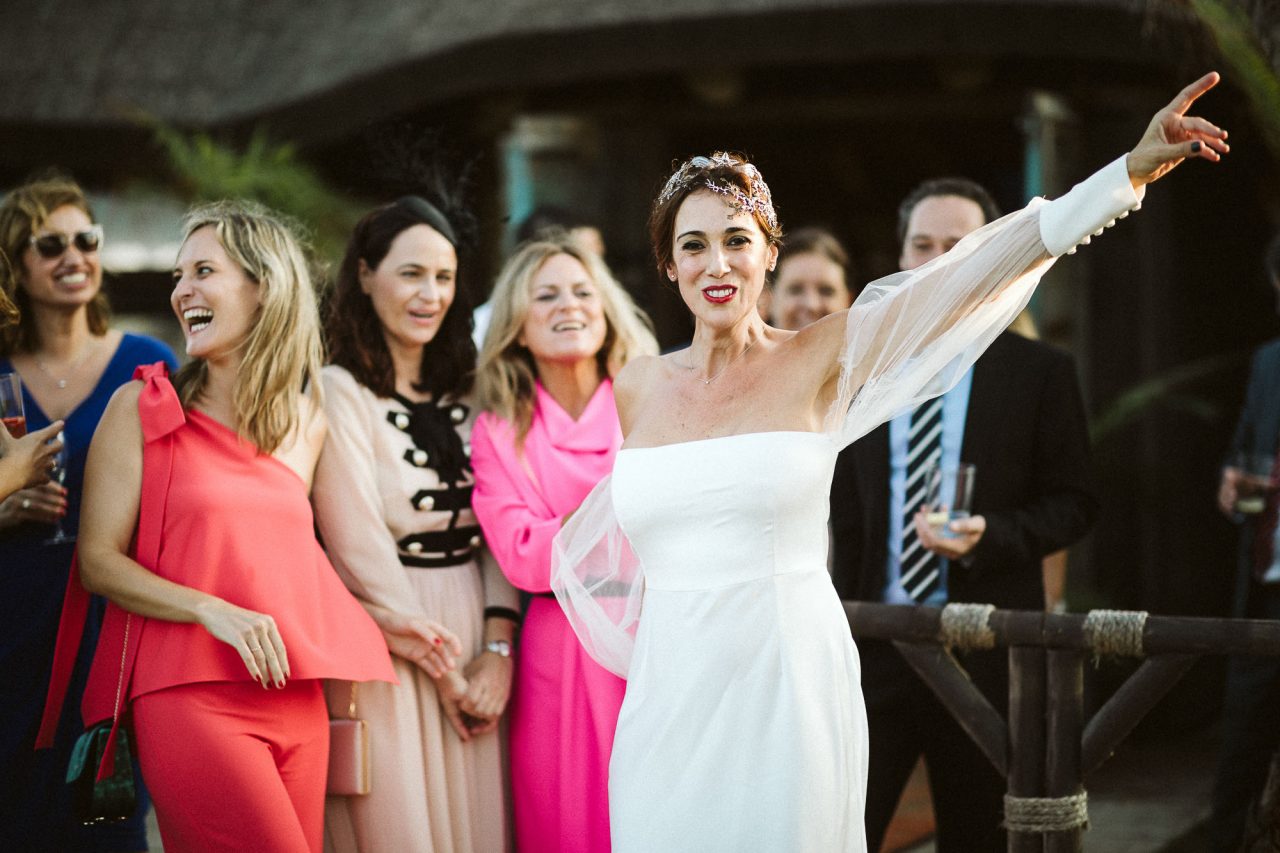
950	495
58	474
11	412
1254	483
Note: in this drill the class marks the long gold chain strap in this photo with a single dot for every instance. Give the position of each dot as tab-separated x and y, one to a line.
124	651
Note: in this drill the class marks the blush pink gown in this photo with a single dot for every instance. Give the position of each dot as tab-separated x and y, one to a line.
565	706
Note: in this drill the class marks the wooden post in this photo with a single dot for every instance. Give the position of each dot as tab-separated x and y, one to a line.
1064	721
1026	736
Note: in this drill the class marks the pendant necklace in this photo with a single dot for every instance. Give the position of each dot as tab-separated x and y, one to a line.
719	373
70	371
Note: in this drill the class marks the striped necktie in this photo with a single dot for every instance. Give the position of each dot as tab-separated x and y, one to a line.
920	570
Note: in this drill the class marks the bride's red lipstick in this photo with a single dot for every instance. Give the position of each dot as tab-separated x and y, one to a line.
718	288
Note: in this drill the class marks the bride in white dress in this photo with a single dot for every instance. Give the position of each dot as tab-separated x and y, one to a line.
698	569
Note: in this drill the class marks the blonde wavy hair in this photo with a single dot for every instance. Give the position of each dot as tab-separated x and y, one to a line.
506	373
283	351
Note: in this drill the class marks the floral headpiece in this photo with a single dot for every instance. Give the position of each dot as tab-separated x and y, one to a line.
758	202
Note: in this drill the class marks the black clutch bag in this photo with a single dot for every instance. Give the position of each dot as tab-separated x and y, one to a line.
111	799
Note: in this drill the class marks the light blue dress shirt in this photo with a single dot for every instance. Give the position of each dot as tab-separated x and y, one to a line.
955	405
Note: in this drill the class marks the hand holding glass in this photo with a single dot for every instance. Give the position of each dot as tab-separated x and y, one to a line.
58	474
950	495
1255	481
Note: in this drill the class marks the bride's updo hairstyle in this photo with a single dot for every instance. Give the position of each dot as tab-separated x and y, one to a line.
727	175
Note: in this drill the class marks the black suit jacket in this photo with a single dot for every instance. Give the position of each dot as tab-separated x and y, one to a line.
1026	432
1258	431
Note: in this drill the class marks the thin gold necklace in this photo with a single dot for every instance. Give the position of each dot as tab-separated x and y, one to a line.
86	351
691	368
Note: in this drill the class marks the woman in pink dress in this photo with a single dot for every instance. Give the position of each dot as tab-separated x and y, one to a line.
562	328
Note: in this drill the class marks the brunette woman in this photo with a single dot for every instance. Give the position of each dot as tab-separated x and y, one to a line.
812	279
70	361
393	501
699	570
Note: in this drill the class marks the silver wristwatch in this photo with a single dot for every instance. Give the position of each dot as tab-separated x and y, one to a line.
498	647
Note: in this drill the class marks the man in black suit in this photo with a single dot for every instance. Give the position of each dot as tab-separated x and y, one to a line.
1250	731
1018	416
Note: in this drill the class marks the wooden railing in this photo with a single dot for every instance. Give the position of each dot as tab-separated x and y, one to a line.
1046	749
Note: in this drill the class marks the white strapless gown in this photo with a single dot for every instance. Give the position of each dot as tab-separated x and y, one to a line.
743	727
697	571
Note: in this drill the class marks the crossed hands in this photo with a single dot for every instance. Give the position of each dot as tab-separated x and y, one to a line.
474	699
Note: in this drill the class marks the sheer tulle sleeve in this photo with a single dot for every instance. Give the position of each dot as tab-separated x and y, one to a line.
598	580
910	336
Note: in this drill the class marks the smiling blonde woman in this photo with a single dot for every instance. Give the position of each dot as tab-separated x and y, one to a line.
562	328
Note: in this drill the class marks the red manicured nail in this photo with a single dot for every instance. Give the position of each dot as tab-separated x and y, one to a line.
437	641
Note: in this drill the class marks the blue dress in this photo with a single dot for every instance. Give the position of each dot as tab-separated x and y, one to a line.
35	806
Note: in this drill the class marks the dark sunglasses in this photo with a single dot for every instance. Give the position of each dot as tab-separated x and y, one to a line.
50	246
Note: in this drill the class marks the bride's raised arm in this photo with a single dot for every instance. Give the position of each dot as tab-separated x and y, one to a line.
910	336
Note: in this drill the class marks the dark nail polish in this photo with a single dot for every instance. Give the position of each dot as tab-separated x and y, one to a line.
1195	148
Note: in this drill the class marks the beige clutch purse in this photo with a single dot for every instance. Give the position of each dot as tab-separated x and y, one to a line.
348	754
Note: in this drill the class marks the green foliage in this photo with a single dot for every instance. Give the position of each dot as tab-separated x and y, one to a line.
1161	391
208	170
1246	65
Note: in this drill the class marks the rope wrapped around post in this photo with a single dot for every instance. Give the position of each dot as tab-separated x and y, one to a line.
1115	633
964	627
1046	814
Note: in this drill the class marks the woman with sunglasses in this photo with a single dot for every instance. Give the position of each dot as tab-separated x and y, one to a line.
70	363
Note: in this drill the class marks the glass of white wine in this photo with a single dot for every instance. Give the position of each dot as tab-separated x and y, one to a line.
950	495
58	474
1254	483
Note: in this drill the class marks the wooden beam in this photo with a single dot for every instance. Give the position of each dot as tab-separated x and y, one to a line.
1162	634
951	684
1126	708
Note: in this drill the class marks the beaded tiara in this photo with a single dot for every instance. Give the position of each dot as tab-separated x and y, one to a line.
758	202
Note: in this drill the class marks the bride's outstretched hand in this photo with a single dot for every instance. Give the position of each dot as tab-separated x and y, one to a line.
1172	136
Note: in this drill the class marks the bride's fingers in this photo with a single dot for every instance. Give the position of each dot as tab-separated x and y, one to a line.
1204	151
1217	146
1204	127
1184	99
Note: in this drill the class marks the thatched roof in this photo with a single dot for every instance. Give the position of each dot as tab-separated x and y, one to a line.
219	62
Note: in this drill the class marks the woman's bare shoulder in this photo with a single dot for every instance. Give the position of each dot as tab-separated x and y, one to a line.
826	332
637	374
122	408
634	383
121	424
